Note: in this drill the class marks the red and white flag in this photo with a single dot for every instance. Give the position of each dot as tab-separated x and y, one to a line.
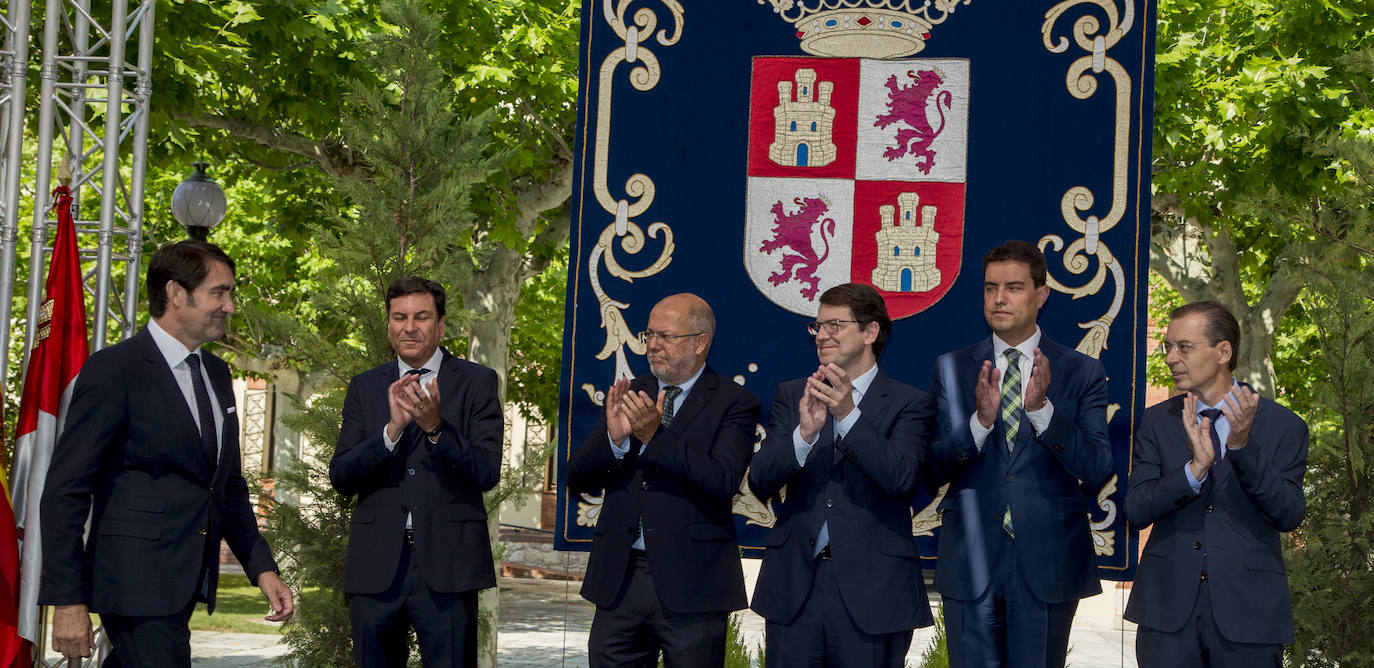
59	349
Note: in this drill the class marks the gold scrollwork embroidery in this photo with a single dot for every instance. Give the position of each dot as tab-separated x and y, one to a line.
643	75
1089	36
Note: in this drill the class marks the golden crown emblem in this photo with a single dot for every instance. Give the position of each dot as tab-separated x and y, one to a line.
864	28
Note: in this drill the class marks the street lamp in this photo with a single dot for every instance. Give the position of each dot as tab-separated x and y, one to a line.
198	203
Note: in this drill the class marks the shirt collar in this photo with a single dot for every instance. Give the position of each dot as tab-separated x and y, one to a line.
432	364
1026	348
173	350
862	383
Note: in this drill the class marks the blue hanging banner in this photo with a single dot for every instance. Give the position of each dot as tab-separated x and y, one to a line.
758	152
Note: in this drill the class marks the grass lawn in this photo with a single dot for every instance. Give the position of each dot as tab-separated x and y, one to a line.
239	607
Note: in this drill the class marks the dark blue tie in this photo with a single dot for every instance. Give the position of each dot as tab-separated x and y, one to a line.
209	445
1213	414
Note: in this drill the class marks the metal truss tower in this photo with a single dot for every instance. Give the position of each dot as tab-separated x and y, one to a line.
103	147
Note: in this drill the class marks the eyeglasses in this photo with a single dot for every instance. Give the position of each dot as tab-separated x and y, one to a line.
649	335
1184	348
832	327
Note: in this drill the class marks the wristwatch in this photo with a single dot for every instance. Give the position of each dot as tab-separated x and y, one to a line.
437	430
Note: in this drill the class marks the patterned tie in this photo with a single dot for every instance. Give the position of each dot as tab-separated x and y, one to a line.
669	397
1012	411
1213	414
668	400
209	447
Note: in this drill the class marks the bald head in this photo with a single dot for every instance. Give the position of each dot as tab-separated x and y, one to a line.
686	326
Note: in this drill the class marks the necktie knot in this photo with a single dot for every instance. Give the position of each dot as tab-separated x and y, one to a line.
417	372
193	361
1013	356
669	397
1211	414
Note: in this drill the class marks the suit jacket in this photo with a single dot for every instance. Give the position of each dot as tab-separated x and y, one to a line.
130	456
438	485
1248	498
683	486
863	487
1048	480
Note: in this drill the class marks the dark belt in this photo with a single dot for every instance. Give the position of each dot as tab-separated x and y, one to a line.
824	553
410	537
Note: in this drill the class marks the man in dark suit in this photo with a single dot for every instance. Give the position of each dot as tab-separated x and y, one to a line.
670	451
420	442
153	458
1218	472
840	583
1023	443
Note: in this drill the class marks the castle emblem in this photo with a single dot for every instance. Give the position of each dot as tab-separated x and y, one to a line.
856	172
909	230
802	124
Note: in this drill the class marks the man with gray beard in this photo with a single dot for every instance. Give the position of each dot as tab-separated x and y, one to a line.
669	452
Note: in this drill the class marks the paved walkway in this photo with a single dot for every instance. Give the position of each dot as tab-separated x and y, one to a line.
544	623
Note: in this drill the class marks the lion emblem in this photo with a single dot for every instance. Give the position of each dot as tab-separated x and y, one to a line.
792	233
908	105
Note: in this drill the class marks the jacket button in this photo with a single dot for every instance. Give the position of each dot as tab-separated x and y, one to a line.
1209	509
1197	546
644	485
411	470
829	503
212	490
202	531
813	542
1204	577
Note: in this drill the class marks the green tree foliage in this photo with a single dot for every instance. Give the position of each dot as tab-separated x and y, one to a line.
1241	88
411	215
1331	556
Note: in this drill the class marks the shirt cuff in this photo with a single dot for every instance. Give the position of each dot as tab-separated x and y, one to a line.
619	450
1194	482
1040	420
801	447
842	427
980	433
386	440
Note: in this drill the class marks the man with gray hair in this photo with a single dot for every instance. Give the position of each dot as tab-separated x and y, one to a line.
669	452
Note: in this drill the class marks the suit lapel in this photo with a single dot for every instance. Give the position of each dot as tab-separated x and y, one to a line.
695	401
223	388
165	385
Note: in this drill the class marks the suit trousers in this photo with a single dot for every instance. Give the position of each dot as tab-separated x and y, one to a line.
823	635
445	623
1199	645
149	641
631	632
1008	625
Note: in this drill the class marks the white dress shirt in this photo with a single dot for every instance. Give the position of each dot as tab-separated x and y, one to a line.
1223	426
176	353
1040	420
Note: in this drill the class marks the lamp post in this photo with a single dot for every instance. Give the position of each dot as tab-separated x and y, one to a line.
198	203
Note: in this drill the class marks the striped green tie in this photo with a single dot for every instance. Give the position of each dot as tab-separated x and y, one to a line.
1011	414
1011	396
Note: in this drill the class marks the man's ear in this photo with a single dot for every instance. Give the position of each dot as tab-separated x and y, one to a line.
176	294
1042	294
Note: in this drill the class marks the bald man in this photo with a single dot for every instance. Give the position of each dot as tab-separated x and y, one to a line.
669	452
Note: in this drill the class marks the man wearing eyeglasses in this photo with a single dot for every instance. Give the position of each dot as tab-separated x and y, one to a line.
841	584
1023	445
1218	473
669	452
